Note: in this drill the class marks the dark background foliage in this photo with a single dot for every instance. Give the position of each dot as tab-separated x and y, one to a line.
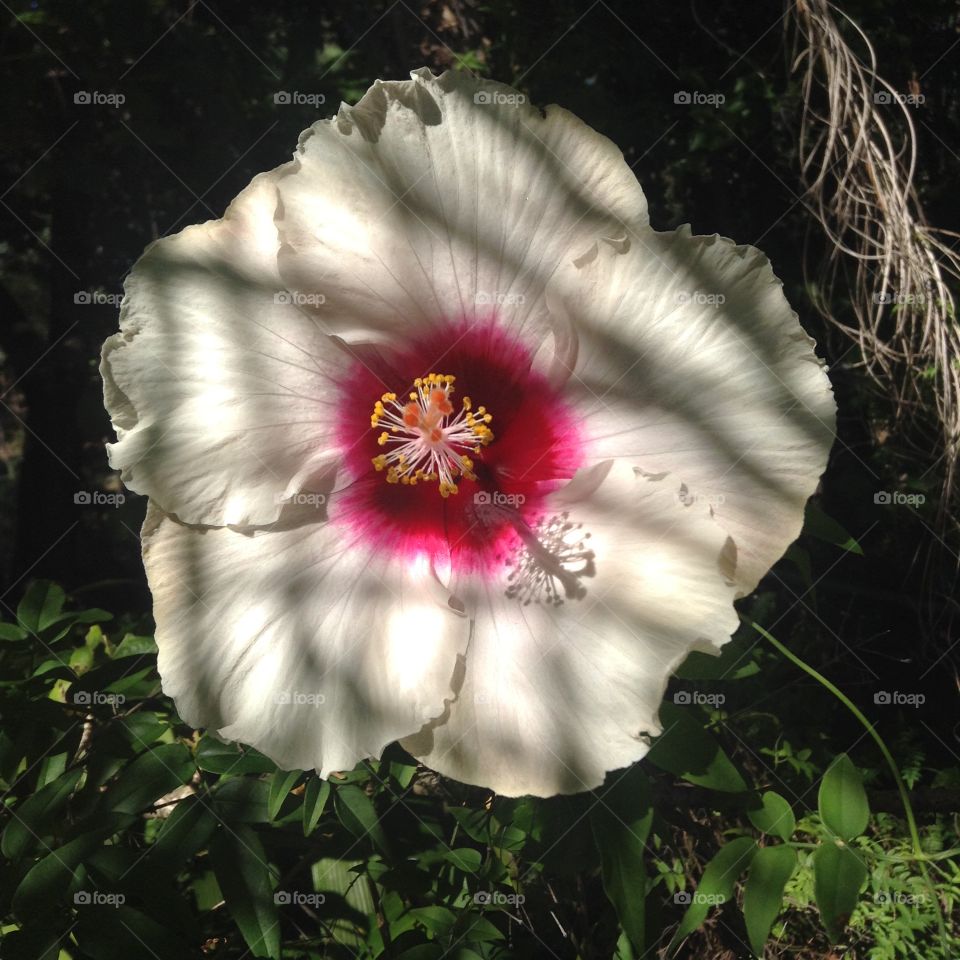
84	187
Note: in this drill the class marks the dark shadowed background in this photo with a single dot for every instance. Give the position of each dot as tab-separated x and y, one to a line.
126	120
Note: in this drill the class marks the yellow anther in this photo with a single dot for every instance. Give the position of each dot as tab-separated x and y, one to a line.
426	438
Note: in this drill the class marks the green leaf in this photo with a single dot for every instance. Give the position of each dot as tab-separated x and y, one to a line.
565	836
115	676
774	816
59	627
52	766
686	750
151	775
623	949
81	661
10	631
438	920
134	646
32	818
770	870
842	800
241	868
120	932
716	884
475	928
314	800
214	756
801	558
282	782
40	606
340	877
621	823
43	889
464	858
819	525
142	728
403	773
242	801
474	821
429	951
357	813
33	943
187	830
93	615
54	670
838	875
732	664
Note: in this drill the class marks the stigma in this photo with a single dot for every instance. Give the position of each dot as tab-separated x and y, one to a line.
426	438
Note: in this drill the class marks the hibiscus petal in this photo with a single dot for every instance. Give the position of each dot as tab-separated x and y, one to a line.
219	386
555	695
296	640
692	363
447	196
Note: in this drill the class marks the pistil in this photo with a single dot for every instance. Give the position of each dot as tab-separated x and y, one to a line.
426	440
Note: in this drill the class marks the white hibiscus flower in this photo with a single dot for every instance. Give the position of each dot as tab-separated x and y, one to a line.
444	444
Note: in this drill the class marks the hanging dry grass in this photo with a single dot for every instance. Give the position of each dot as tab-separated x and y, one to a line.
858	148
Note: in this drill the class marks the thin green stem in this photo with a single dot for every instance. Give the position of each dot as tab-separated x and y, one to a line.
920	856
855	710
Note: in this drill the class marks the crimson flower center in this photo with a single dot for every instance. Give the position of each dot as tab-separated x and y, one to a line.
433	438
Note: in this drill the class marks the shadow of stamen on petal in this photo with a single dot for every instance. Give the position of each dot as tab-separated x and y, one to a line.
554	556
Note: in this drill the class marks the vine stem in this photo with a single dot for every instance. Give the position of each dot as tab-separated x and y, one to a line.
855	710
920	856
